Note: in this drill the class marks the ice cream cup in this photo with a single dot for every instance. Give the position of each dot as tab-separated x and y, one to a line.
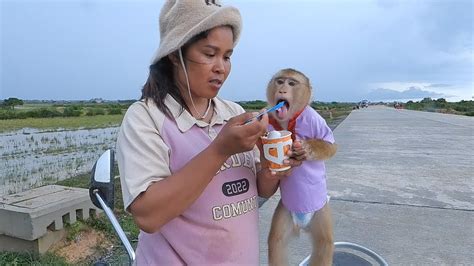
275	149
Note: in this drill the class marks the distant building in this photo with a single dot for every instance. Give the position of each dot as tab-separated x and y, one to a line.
97	100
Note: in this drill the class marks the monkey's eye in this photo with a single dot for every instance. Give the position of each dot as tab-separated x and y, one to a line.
291	83
280	81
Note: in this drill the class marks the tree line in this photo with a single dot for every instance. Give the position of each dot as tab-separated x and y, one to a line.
10	103
8	110
258	104
442	106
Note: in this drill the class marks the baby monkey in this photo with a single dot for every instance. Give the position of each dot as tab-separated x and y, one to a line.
304	199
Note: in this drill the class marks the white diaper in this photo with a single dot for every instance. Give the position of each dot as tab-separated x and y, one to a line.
302	219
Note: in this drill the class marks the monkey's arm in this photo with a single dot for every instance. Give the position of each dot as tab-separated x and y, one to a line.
318	149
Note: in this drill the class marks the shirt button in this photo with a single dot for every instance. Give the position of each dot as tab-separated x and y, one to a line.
212	133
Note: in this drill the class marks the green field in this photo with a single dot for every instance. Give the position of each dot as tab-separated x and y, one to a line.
98	115
98	121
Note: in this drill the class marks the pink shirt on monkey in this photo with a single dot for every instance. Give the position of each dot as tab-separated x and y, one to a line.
305	190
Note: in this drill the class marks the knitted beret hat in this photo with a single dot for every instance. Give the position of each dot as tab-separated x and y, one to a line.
180	20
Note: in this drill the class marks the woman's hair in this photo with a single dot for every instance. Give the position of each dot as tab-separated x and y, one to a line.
161	81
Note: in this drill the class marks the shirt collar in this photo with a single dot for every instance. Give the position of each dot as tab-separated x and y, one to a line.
184	120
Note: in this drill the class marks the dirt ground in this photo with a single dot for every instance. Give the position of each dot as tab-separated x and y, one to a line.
87	246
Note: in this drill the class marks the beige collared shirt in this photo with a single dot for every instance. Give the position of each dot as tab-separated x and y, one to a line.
143	156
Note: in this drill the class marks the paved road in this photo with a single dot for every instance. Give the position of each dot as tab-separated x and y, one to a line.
401	184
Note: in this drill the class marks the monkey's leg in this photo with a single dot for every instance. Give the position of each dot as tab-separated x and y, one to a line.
322	237
281	231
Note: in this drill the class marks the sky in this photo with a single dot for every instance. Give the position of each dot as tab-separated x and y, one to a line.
380	50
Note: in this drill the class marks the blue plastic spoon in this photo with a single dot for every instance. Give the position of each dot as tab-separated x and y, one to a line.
279	105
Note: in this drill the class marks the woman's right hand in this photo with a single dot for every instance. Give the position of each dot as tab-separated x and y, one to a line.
236	136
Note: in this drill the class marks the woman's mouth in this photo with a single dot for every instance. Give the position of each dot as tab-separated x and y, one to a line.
216	83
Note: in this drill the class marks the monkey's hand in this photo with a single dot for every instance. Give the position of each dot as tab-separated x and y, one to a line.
297	154
318	149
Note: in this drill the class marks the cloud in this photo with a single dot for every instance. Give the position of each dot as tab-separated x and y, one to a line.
439	85
344	47
412	93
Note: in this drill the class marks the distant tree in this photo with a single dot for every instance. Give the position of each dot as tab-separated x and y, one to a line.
115	111
12	102
253	105
441	103
426	100
73	110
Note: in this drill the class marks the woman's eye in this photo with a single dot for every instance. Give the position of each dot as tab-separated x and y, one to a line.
209	53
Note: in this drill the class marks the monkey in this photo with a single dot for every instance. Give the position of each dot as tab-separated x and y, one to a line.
304	199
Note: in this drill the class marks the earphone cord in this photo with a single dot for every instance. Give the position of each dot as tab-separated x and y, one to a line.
189	88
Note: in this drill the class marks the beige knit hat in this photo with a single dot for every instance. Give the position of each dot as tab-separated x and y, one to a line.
180	20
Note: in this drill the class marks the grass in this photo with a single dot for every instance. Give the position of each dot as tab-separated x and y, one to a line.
13	259
32	106
334	117
74	230
98	121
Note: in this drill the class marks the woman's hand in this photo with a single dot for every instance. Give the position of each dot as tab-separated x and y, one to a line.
236	136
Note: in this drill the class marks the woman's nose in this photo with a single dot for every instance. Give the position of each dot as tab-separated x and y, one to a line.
219	66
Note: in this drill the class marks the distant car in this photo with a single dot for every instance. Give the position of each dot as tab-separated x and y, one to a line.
364	104
398	105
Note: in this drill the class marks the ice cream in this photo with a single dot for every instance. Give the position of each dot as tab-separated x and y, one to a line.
273	134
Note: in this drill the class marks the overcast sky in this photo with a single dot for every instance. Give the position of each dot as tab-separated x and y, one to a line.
351	49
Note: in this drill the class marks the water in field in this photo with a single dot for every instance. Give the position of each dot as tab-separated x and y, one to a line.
30	158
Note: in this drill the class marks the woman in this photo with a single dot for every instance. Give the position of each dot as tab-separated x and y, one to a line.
187	159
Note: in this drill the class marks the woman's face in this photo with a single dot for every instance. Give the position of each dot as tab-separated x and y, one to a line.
207	63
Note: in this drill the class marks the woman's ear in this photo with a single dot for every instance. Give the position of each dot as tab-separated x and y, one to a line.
173	57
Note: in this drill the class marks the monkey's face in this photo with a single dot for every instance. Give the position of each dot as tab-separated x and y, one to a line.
293	89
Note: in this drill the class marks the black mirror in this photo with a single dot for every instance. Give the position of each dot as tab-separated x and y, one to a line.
102	180
101	192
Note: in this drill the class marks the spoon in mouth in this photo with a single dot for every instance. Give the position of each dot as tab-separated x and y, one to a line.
277	106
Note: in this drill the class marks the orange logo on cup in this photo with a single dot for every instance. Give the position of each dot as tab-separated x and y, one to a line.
276	145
